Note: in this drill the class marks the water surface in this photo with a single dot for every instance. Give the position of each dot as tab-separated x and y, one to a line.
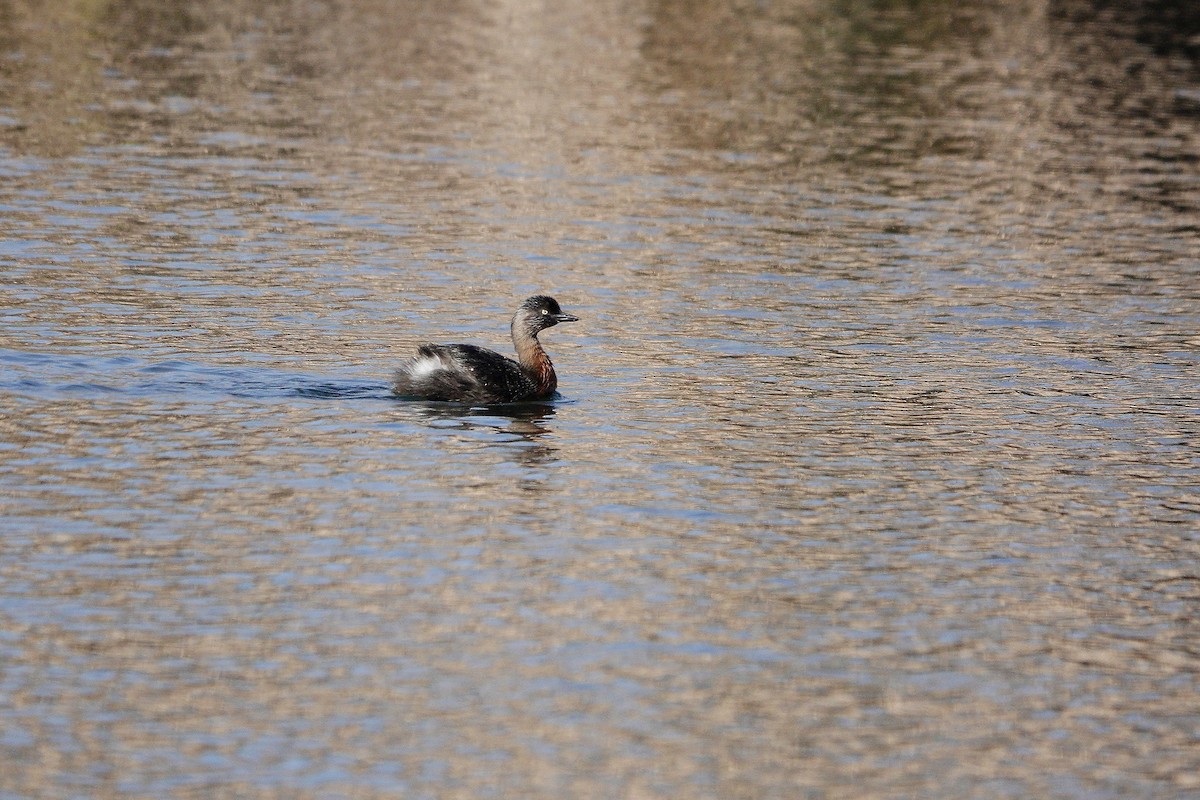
875	472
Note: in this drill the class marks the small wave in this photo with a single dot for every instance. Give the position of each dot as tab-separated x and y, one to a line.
49	373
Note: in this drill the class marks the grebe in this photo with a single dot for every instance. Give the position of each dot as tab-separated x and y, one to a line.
469	374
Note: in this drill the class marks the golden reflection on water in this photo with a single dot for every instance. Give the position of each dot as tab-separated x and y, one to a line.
876	471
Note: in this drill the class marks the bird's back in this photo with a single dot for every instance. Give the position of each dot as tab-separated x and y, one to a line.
463	373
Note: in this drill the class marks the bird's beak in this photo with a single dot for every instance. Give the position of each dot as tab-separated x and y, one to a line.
565	318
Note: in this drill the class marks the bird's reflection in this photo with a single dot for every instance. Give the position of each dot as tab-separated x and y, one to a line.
522	427
522	417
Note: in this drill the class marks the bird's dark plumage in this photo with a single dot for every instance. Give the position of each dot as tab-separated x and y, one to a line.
471	374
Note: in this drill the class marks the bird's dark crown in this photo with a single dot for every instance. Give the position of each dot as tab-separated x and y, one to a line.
538	313
539	302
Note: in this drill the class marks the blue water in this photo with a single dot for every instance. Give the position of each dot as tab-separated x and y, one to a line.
874	470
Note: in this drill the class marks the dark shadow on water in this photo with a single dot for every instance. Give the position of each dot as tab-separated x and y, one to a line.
523	419
529	411
511	424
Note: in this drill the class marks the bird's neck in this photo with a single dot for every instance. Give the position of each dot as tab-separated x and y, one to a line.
535	362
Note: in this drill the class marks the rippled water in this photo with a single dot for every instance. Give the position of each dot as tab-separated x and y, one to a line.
876	468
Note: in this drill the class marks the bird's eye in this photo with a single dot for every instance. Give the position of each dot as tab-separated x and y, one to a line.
545	311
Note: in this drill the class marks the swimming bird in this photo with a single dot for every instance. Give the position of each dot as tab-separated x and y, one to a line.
467	373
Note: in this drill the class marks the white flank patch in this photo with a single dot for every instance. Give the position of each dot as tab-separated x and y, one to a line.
425	366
